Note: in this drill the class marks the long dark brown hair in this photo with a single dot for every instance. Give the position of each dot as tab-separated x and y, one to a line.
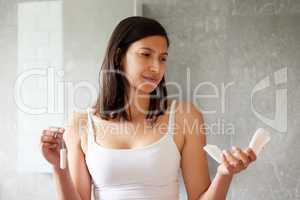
112	91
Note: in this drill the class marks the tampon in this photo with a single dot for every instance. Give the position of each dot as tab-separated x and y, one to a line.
62	155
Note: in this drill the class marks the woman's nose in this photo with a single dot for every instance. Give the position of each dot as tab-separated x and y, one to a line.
155	66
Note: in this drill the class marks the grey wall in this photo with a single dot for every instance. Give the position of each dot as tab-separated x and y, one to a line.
218	42
239	43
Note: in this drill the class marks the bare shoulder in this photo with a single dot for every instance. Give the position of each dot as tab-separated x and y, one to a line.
77	123
189	114
190	121
76	129
188	108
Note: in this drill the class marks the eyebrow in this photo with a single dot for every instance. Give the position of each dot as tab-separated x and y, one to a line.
147	48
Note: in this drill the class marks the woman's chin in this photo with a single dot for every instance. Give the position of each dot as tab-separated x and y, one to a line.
147	89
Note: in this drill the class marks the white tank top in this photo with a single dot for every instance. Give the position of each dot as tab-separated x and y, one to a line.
145	173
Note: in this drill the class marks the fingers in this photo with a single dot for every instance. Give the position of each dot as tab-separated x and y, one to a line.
232	159
54	132
238	157
250	154
237	160
239	154
49	145
226	162
51	137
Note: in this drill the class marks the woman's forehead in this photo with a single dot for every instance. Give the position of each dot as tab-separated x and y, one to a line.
154	43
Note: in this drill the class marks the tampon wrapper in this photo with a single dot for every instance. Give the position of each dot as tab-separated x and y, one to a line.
214	151
260	138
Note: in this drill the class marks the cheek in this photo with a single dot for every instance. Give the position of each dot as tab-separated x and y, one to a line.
133	73
134	68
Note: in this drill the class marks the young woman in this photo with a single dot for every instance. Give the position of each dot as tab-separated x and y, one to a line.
133	143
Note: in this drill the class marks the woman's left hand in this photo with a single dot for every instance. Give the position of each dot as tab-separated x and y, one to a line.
235	161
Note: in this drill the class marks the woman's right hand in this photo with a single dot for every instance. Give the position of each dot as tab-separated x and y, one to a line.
50	145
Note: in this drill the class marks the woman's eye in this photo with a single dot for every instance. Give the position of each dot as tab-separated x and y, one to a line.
146	54
163	59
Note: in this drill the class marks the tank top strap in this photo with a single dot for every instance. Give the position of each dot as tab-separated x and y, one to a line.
171	122
90	129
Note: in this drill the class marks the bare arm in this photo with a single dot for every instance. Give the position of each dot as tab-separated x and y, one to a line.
64	185
73	183
218	189
232	163
194	162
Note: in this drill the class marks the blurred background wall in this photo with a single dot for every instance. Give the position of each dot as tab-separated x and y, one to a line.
240	58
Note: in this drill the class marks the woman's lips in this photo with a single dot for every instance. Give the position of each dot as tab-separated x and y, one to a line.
152	80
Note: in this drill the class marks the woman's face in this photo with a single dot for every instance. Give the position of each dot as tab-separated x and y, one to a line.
144	63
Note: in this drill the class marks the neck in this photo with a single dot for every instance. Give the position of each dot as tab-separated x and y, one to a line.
138	104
